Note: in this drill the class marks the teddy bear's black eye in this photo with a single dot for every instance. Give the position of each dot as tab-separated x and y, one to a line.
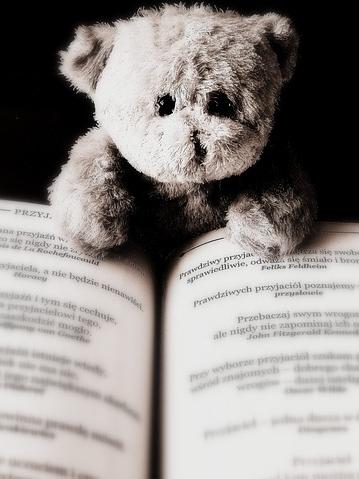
220	105
166	105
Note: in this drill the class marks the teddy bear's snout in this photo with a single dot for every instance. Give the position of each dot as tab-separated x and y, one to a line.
199	149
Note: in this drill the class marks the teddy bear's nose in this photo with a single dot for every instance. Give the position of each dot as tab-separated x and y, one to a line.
199	149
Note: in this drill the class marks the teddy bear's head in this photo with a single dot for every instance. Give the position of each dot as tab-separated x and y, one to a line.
186	94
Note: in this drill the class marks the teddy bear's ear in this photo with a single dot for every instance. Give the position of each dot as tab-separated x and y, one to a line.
86	56
284	41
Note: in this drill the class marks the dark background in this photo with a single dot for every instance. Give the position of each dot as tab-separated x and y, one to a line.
40	116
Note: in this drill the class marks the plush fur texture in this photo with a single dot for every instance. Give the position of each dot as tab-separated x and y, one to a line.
185	100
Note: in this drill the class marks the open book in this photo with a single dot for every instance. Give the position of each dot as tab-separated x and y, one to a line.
259	366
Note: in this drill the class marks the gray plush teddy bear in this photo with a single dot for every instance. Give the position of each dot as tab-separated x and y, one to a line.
185	100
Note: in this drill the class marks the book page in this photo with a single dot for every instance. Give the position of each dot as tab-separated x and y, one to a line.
261	377
75	355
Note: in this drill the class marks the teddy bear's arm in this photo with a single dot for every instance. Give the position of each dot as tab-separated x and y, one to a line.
89	200
275	214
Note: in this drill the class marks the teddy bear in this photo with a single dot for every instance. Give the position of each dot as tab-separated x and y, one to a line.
185	141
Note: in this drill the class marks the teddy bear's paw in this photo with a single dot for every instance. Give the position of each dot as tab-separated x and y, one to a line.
93	235
254	232
90	204
87	226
